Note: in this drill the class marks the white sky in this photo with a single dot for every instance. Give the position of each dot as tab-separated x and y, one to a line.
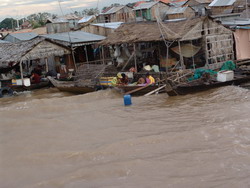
22	8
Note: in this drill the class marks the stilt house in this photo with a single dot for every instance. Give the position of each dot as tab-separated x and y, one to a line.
187	44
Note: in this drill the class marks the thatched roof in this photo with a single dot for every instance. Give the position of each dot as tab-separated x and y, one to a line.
150	31
28	50
182	30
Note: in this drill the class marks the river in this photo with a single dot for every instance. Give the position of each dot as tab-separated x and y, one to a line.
50	139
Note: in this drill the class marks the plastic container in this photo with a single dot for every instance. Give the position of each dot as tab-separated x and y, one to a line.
127	100
224	76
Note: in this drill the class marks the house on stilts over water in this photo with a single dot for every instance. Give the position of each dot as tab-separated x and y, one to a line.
183	44
19	60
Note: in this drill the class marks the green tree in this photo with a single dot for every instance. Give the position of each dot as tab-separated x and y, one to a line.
91	11
9	23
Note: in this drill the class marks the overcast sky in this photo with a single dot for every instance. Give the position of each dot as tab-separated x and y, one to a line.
23	8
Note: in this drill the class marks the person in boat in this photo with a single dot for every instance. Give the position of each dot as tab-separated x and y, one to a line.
116	80
149	79
124	80
141	82
35	78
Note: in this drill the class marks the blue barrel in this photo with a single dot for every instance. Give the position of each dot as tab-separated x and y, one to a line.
127	100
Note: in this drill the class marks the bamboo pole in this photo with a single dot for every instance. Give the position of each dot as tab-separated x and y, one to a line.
86	53
193	55
135	57
103	62
73	55
46	64
167	58
181	57
21	70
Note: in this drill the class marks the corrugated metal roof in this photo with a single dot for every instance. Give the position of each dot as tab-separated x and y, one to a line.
204	1
218	3
86	19
176	10
111	25
236	22
75	37
114	9
145	5
2	41
24	36
178	4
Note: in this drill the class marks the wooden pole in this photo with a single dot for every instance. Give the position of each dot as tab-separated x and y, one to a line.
128	61
193	55
21	70
74	60
167	58
46	64
158	89
135	57
103	55
86	53
181	57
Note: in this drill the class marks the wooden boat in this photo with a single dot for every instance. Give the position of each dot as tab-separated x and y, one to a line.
138	90
199	85
70	86
40	85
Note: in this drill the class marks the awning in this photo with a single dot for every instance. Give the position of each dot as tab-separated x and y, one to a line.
187	50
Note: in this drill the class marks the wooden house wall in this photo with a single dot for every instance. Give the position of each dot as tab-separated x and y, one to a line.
57	27
145	14
123	15
221	10
158	9
189	13
175	16
98	30
219	44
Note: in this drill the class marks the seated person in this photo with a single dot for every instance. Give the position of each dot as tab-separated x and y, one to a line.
35	78
17	75
141	81
124	79
116	80
150	79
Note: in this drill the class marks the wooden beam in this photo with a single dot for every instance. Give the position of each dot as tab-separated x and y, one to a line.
181	57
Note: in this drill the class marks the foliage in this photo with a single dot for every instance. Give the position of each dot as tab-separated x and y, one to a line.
36	25
8	23
91	11
39	18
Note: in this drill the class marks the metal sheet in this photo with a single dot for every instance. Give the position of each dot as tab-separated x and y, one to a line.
75	37
218	3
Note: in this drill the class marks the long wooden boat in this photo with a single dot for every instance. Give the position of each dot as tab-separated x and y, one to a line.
40	85
70	86
137	90
198	85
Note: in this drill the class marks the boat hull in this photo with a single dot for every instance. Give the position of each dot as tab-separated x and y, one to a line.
189	88
139	92
69	86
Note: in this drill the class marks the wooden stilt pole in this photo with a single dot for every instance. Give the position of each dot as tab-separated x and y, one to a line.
21	70
103	55
86	53
135	57
193	55
181	57
46	64
73	55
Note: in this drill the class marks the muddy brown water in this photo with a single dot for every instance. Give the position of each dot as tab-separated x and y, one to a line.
50	139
